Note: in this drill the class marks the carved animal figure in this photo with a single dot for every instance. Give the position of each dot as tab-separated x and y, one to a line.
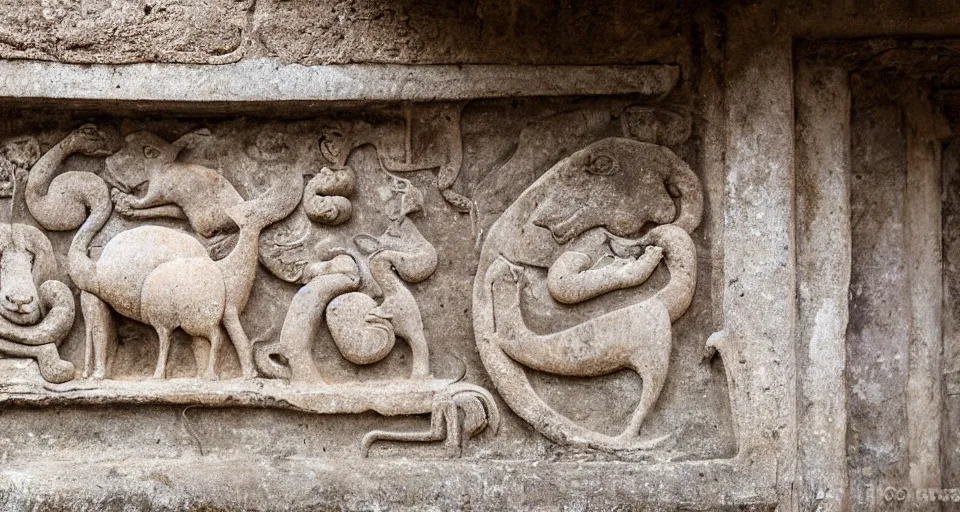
366	332
151	274
148	164
291	357
431	140
33	321
608	190
460	411
363	331
325	201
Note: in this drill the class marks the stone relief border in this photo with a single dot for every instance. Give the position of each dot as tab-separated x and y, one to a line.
230	87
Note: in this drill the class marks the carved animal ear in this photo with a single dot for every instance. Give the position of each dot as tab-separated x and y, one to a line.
191	139
366	243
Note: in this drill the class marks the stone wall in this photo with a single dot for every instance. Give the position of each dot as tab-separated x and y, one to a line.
285	255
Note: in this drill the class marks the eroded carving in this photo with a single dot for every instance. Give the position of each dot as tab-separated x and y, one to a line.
575	221
363	330
459	412
430	139
36	311
156	275
16	154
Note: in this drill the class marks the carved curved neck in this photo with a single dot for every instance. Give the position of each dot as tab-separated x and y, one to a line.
381	269
239	268
38	183
42	173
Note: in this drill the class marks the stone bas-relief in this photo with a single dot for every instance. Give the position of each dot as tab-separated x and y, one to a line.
585	205
36	311
326	266
183	279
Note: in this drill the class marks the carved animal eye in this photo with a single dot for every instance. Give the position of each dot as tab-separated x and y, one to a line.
602	165
151	152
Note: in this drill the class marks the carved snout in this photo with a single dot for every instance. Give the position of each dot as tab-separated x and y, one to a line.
19	302
20	308
26	258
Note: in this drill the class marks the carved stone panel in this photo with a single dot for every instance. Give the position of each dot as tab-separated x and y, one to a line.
527	271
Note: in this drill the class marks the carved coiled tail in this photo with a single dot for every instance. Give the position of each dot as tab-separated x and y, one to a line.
290	357
297	336
40	341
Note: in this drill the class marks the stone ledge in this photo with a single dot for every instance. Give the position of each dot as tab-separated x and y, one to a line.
320	484
264	80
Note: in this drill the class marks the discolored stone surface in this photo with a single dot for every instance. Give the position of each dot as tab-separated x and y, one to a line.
491	255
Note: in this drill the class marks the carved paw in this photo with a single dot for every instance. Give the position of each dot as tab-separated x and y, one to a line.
653	252
123	202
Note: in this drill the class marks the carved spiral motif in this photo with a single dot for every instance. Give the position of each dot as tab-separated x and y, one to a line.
614	187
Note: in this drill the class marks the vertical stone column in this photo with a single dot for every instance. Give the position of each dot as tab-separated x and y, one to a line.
823	274
950	430
759	301
922	258
877	333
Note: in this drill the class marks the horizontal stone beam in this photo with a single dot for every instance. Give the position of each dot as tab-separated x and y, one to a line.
264	80
389	398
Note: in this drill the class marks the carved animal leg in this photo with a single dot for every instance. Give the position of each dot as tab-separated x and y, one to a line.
454	442
652	385
52	368
99	331
201	353
438	423
163	334
216	339
231	320
421	355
